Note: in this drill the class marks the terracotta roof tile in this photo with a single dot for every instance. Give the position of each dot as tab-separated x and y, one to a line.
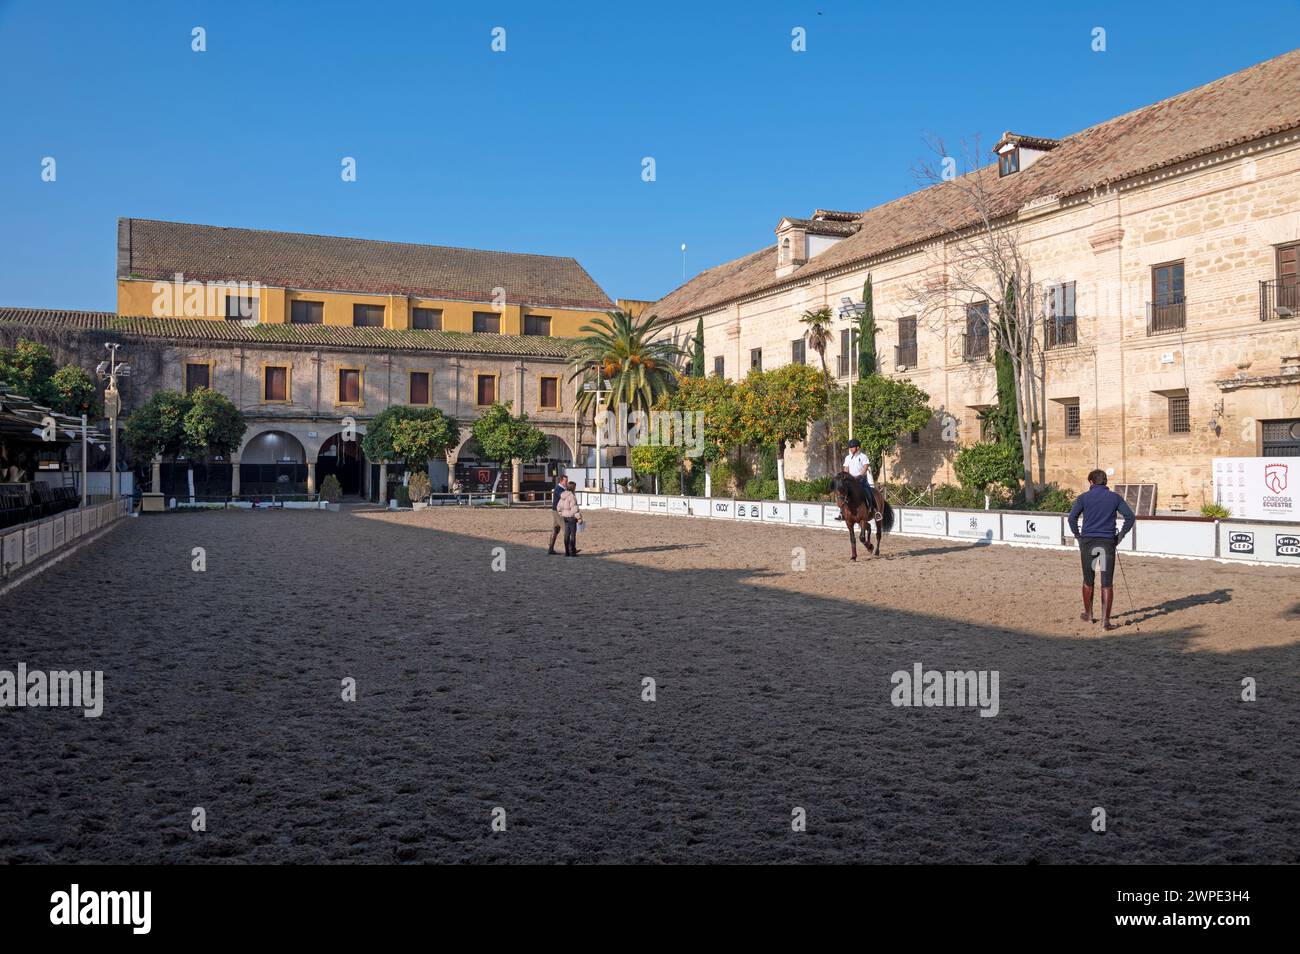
158	250
1244	106
232	333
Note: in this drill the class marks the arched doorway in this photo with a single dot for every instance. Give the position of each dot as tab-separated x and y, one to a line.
273	462
345	460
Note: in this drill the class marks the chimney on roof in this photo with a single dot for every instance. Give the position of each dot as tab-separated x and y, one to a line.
798	240
1016	153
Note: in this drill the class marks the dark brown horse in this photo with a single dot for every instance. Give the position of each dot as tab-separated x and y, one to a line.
854	508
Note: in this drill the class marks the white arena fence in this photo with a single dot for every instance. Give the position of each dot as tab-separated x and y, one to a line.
1245	541
24	547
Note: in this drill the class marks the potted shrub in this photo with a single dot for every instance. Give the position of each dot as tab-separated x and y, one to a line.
419	487
331	491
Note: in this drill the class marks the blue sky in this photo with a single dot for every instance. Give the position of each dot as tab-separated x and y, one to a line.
540	148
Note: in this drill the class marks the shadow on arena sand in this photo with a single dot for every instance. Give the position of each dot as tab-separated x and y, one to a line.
522	689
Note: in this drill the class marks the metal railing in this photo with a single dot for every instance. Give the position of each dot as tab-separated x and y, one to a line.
905	355
1279	298
1164	317
974	346
1060	332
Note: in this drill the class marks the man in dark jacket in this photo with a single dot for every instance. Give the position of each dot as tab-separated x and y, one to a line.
1098	540
557	524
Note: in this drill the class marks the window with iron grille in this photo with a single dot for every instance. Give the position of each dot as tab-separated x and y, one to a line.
719	367
797	351
306	312
1059	316
368	316
241	307
976	342
1180	421
1281	437
537	325
1072	420
907	341
756	359
848	363
427	319
487	323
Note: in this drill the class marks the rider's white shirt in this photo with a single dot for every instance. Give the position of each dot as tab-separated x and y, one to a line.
858	464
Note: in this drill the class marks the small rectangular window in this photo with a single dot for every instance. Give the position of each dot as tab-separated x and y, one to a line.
1073	427
306	312
349	386
419	390
486	389
487	323
275	383
537	324
1009	161
756	359
1180	421
549	392
916	437
427	319
197	376
368	316
797	351
720	366
241	307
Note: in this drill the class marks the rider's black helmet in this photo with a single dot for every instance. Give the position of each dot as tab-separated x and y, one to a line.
854	443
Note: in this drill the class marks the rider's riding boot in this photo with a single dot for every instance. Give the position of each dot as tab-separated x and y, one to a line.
1087	603
1107	598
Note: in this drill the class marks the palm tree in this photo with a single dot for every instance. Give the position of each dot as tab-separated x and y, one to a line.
819	336
639	369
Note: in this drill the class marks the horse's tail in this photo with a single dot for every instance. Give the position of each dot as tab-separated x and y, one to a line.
887	524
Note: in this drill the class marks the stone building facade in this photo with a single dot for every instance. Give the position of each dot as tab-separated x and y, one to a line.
1175	230
304	390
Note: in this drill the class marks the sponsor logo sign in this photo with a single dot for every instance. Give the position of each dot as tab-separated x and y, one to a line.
678	506
776	512
1036	528
979	526
1287	544
658	504
749	510
723	508
930	522
1241	541
1257	488
808	515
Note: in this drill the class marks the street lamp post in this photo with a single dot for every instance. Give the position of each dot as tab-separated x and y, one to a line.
851	310
110	370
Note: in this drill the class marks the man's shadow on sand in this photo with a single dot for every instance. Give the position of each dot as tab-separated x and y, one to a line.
1132	617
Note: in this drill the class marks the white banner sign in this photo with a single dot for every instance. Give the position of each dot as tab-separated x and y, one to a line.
982	525
1258	488
934	522
1032	528
722	508
678	506
776	512
809	515
749	510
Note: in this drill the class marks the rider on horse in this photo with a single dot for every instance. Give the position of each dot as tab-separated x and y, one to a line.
859	465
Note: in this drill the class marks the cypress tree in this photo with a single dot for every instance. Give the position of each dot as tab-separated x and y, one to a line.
697	359
867	334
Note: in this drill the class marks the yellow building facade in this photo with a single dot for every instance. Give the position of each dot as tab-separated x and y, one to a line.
175	270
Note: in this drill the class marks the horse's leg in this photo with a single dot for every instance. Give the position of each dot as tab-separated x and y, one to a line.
880	534
848	522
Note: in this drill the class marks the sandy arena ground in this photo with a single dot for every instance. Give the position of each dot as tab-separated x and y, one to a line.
522	689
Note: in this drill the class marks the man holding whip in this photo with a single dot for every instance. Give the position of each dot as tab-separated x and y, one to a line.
1098	540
